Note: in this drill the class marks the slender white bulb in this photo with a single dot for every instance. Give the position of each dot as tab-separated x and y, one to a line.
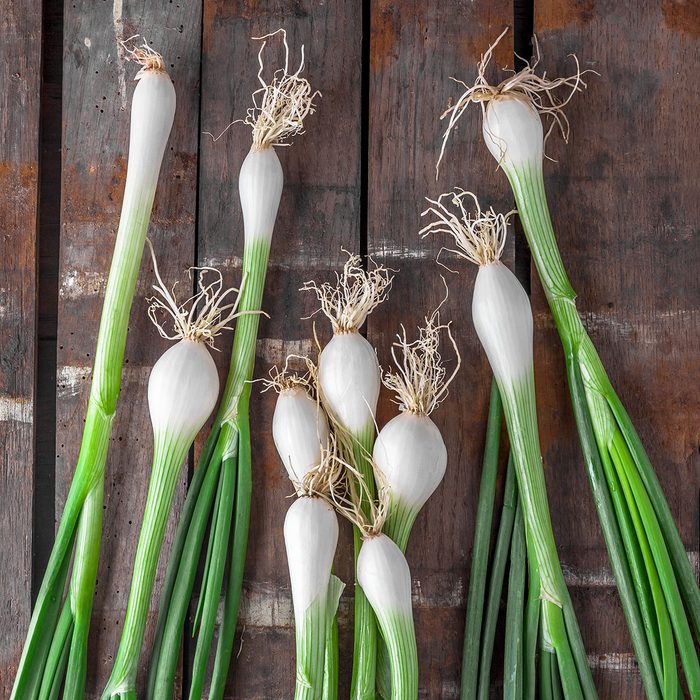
383	573
503	321
350	379
260	188
182	389
513	132
311	537
412	456
300	432
152	113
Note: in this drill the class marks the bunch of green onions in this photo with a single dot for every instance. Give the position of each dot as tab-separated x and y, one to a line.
658	590
349	380
385	489
307	448
503	320
55	652
410	453
183	388
219	496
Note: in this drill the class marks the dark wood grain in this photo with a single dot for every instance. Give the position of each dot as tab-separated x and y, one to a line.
319	214
415	48
623	195
20	78
97	89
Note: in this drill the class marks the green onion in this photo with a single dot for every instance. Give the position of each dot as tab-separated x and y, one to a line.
472	648
183	388
57	647
301	434
383	573
349	380
503	320
409	451
658	590
278	113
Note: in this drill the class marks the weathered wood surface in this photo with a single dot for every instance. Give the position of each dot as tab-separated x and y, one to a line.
20	80
623	201
97	88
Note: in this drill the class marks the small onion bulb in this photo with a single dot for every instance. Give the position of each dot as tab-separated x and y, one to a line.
182	389
513	131
503	320
310	537
350	379
300	432
412	457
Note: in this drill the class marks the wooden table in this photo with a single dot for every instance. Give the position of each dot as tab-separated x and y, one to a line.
625	203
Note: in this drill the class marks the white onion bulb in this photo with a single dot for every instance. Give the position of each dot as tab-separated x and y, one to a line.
383	573
350	379
412	456
300	432
260	189
512	131
503	321
311	537
182	389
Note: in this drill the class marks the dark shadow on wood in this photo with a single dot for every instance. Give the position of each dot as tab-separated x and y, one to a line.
47	282
523	19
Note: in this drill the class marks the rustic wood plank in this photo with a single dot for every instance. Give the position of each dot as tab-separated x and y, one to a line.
415	48
319	214
97	90
624	202
20	77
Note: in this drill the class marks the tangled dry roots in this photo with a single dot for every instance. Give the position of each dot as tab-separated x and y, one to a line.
202	316
480	237
420	382
356	294
538	90
280	107
144	55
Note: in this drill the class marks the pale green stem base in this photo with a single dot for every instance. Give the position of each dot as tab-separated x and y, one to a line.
399	636
364	667
398	527
311	642
169	455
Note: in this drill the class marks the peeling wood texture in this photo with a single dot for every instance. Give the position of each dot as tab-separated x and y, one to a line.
624	202
20	80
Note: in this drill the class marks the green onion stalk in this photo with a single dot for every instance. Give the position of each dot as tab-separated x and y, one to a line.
503	320
409	451
55	651
383	574
301	433
475	623
657	586
183	388
219	496
349	380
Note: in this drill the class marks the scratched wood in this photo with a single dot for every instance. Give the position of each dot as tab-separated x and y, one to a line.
97	89
624	201
20	77
415	48
319	214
